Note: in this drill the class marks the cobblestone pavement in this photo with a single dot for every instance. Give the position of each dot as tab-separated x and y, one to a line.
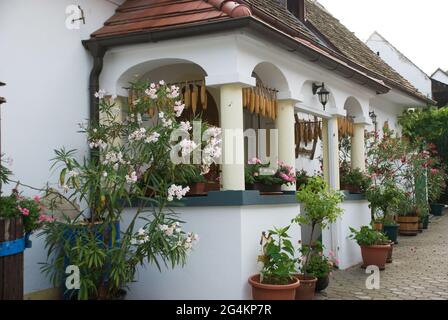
419	271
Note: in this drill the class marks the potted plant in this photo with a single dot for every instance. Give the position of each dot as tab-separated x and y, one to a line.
107	181
321	266
276	280
354	181
194	179
408	216
262	177
20	216
436	186
320	208
301	178
374	245
383	201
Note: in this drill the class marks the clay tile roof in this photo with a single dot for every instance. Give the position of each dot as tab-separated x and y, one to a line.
353	48
142	15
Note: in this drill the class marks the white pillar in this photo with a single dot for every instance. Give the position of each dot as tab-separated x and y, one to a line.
325	162
284	123
358	148
231	118
333	153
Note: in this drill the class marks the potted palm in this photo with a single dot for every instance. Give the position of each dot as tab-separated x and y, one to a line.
275	280
375	246
320	208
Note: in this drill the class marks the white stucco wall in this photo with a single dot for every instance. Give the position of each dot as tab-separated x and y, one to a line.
400	63
440	76
356	214
46	70
224	258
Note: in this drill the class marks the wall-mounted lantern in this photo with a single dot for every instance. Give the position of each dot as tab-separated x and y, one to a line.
322	92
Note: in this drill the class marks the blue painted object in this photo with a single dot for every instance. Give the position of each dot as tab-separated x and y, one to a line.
72	233
9	248
28	242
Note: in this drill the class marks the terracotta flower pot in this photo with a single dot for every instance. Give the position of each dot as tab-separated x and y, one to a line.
307	288
378	226
375	255
389	254
262	291
197	189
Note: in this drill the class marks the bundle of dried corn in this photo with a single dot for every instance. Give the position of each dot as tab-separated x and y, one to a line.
307	131
261	100
345	127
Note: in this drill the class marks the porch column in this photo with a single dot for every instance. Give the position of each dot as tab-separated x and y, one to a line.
333	153
325	159
358	148
284	123
231	117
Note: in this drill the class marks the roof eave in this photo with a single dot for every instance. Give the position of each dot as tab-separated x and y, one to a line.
196	29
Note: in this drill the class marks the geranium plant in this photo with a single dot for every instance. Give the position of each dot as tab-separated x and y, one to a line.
257	172
132	163
366	236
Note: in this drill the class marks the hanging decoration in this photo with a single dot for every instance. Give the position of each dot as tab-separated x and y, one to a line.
261	100
307	132
345	127
193	95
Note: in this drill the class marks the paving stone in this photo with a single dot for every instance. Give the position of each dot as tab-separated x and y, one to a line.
417	272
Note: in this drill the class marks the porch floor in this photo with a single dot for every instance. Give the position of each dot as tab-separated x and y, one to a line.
419	270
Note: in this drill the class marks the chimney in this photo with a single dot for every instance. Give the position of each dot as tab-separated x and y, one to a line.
296	7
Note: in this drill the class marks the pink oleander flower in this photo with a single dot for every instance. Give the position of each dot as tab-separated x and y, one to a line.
24	211
45	218
37	198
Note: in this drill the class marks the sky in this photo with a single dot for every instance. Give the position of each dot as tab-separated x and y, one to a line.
419	29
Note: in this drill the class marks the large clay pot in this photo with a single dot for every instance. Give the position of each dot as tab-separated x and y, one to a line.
408	225
262	291
375	255
307	288
322	283
389	254
378	226
197	189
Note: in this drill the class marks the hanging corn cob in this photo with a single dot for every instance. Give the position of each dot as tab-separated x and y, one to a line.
187	96
194	98
310	131
252	100
203	95
257	101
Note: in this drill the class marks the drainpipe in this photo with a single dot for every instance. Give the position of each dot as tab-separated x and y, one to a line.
97	53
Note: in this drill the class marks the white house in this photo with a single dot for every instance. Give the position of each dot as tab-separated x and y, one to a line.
440	75
53	63
397	60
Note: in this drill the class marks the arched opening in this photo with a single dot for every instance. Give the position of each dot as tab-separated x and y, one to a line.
260	109
200	100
